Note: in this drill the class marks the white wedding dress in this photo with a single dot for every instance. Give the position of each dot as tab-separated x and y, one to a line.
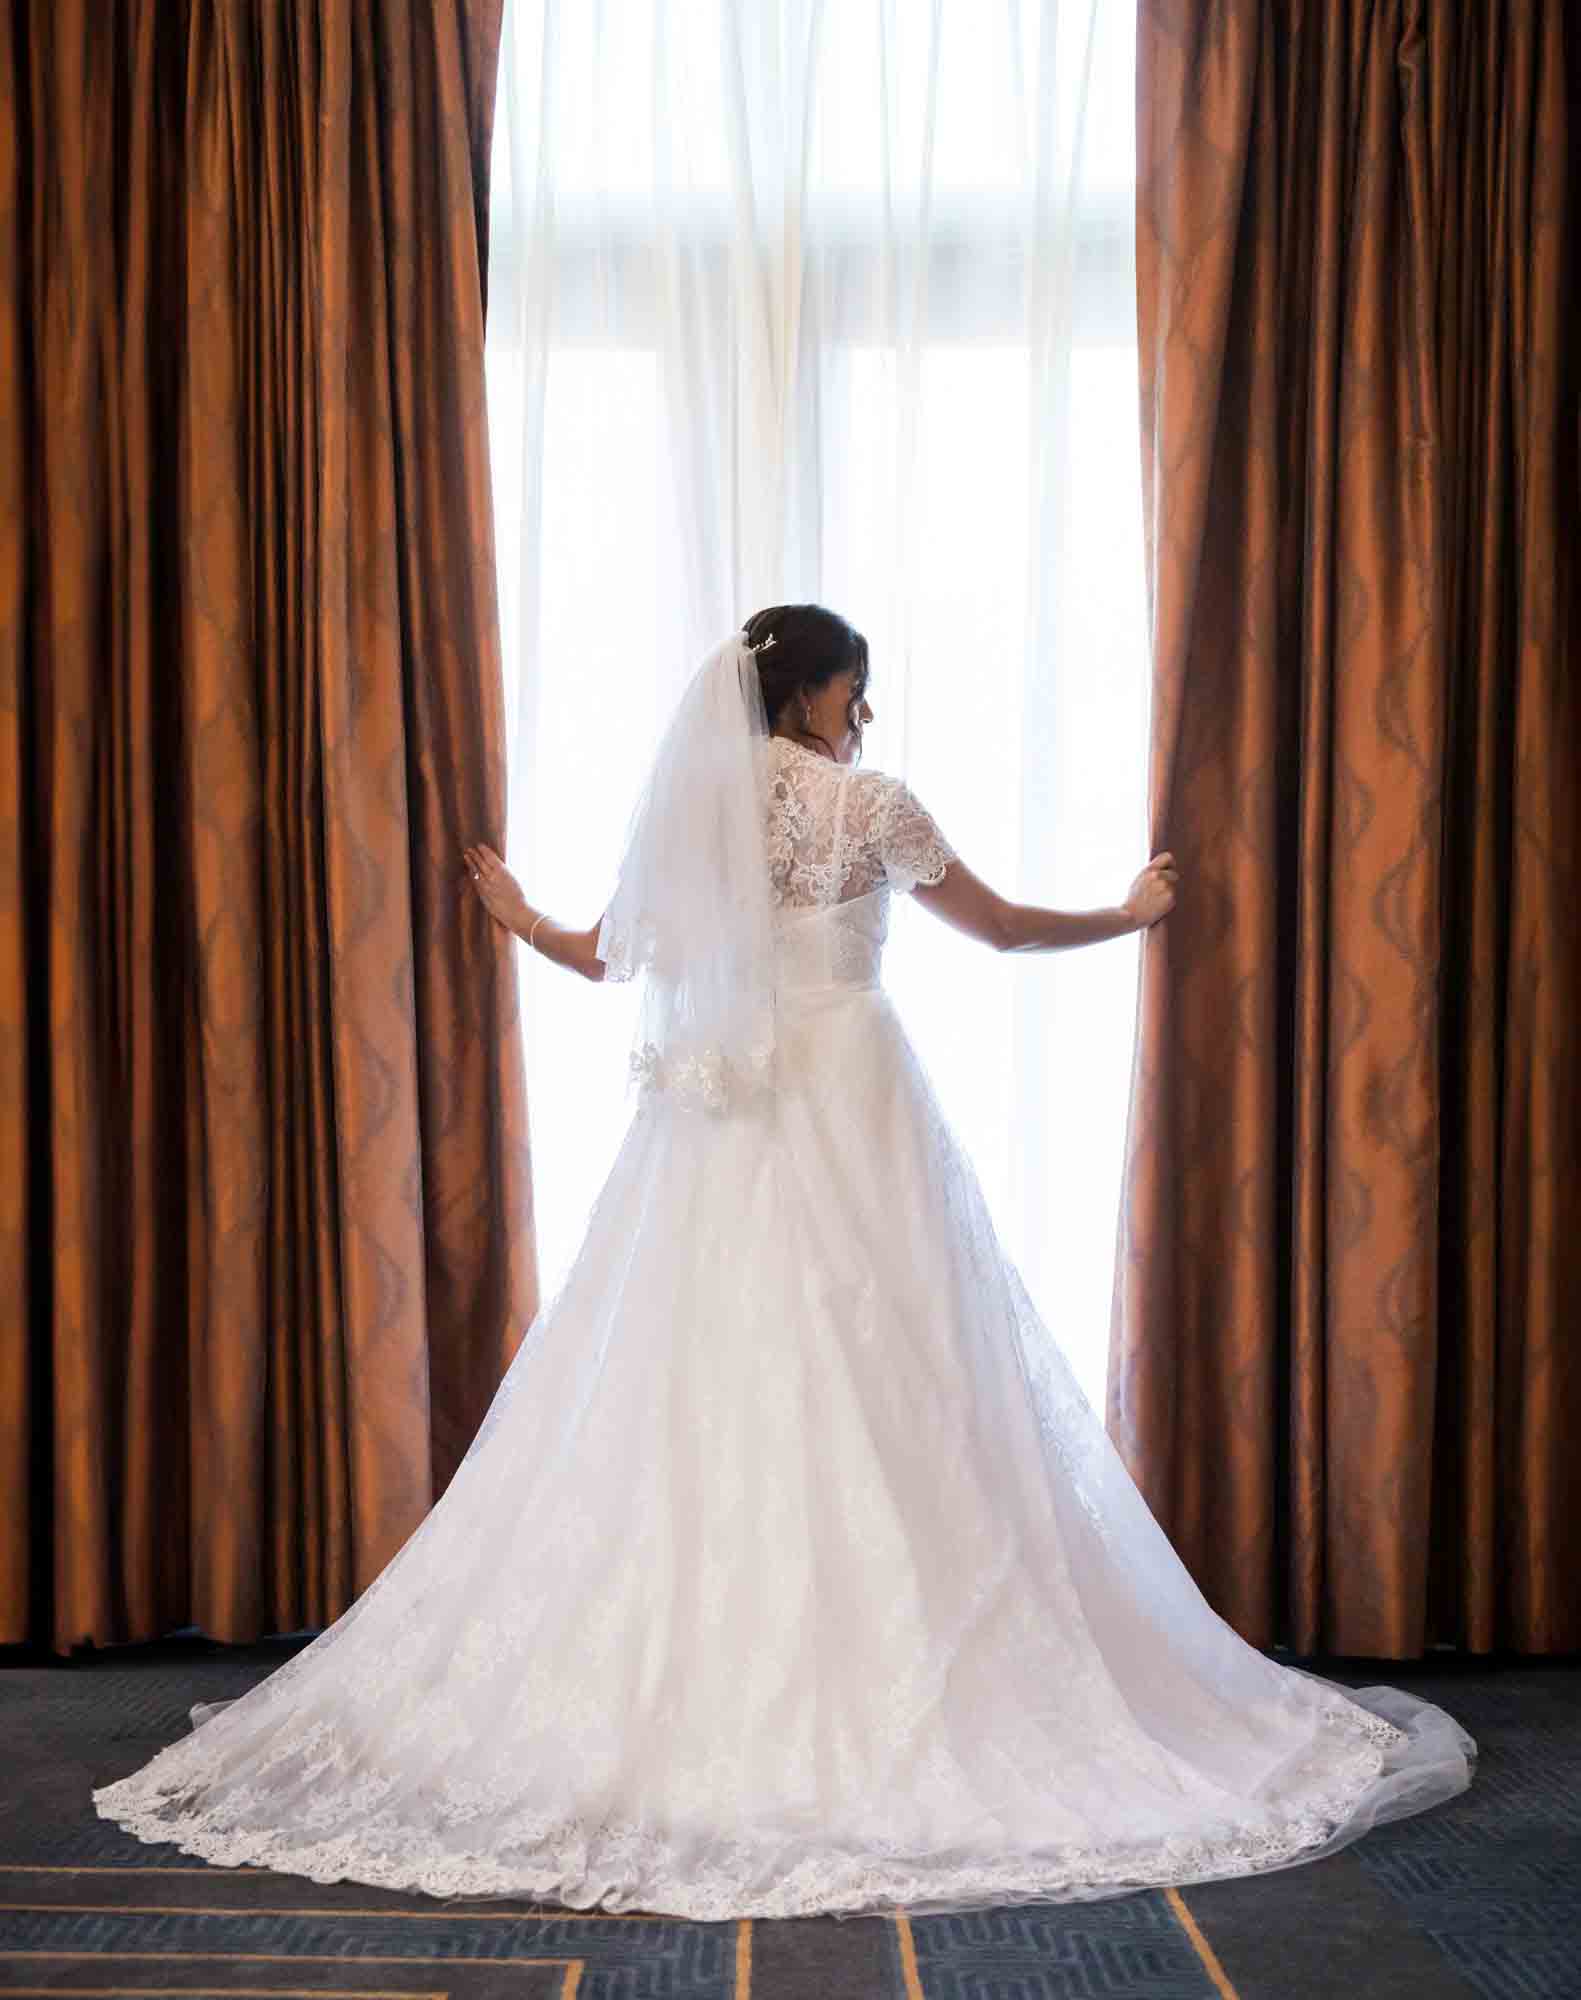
790	1570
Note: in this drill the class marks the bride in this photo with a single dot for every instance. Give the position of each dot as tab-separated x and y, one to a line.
790	1570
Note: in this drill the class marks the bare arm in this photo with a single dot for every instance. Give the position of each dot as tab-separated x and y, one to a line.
501	895
577	951
966	901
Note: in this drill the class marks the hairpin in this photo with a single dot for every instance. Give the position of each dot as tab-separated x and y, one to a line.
763	645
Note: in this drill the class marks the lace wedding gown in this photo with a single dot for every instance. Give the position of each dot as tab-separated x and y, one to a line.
790	1570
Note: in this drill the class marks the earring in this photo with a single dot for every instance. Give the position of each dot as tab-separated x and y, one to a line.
806	715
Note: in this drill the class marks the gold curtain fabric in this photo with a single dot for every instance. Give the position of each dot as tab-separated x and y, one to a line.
1346	1369
264	1184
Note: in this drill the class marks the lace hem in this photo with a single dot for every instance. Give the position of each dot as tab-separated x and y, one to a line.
904	878
620	951
624	1865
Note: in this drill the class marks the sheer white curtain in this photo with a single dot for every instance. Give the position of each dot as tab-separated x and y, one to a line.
796	301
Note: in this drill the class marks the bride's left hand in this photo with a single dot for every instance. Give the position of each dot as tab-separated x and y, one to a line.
498	890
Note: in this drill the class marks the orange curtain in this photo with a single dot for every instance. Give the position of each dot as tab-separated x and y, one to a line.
264	1186
1346	1369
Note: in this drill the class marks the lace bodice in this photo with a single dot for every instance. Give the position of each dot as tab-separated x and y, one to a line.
838	841
836	832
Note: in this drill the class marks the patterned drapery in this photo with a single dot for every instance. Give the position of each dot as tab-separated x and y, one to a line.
264	1187
1345	1368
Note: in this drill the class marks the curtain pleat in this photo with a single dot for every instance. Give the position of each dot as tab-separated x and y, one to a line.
1344	1369
266	1194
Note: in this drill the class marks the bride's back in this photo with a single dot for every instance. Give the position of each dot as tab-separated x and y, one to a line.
835	833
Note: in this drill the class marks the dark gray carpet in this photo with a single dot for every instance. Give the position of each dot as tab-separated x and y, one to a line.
1480	1897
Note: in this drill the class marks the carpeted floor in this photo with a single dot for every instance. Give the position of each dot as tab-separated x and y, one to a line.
1480	1897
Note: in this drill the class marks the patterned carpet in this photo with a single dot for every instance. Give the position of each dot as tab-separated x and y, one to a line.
1481	1897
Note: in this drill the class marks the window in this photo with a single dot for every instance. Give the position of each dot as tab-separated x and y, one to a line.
793	302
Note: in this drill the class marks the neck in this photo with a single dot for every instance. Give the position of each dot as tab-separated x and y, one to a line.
804	741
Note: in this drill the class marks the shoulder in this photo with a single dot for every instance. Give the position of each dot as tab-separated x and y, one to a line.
907	836
881	793
873	795
783	753
793	769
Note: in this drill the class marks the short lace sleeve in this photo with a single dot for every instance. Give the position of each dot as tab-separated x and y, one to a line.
910	845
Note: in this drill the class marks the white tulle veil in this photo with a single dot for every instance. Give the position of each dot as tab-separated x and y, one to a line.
692	906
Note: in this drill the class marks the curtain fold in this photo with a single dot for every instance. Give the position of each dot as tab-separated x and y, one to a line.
266	1204
1343	1366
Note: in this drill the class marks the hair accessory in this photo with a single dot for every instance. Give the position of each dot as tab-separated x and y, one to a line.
763	645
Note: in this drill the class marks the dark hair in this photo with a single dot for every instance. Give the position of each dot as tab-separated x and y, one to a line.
811	645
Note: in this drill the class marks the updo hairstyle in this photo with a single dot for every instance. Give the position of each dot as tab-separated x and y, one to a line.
811	645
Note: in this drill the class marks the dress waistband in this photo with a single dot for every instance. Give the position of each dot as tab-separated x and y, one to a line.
837	948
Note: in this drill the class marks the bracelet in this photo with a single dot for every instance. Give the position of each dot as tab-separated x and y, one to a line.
533	932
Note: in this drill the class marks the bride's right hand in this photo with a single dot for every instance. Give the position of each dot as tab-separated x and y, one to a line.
1152	894
498	890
